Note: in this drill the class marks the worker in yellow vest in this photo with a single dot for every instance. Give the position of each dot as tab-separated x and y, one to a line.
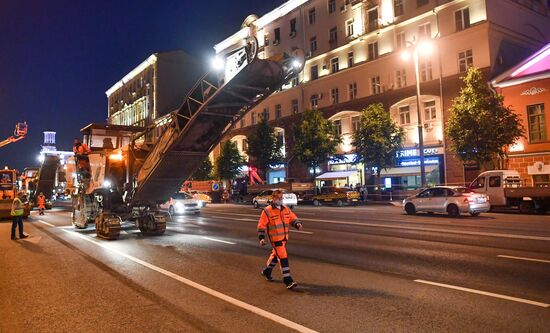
17	212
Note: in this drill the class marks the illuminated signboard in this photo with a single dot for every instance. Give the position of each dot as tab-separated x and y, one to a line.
416	162
415	152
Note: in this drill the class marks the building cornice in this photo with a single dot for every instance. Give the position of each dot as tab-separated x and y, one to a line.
133	73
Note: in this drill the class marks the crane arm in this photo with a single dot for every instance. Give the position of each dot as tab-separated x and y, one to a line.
19	134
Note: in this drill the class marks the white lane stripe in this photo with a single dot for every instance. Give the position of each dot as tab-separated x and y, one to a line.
302	232
46	223
249	307
218	240
485	293
457	232
523	258
245	219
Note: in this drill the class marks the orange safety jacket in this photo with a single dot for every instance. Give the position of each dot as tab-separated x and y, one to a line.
81	149
276	222
41	201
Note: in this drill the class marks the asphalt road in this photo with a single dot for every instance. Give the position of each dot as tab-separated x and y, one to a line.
359	269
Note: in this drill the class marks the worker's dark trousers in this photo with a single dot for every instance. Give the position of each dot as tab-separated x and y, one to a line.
279	255
15	222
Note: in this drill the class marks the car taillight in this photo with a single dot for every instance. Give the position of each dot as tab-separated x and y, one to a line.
487	197
468	199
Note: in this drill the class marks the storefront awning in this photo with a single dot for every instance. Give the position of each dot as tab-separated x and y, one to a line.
336	175
406	171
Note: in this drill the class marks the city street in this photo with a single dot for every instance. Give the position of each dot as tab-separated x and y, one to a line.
359	269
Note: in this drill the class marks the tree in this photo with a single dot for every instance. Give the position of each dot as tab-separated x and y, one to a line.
480	126
229	162
377	140
264	148
315	140
204	172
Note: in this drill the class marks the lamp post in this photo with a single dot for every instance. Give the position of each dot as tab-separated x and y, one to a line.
425	48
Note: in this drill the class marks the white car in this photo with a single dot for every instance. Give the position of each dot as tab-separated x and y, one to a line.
264	198
181	203
447	199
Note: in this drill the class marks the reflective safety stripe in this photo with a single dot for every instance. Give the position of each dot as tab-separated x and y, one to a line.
286	274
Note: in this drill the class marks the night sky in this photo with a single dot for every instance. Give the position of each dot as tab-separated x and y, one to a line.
57	58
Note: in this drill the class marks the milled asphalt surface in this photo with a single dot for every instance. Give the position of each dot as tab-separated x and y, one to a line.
358	270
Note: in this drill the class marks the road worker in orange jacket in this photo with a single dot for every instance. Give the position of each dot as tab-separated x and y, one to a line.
81	152
41	202
275	221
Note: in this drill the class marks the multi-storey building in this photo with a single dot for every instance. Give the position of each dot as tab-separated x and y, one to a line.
526	88
153	89
354	58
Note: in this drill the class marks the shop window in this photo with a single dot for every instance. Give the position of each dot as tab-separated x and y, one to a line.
373	50
465	60
398	7
352	90
334	65
334	96
462	19
404	115
536	123
311	16
494	181
430	112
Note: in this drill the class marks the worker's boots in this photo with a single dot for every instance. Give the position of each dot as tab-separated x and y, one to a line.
289	282
266	273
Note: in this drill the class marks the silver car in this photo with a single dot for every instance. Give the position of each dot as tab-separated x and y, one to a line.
447	199
263	199
181	203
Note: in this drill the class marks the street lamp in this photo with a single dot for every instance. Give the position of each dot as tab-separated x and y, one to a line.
425	48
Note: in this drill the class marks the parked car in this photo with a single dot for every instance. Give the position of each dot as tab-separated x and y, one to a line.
339	196
447	199
181	203
201	197
264	198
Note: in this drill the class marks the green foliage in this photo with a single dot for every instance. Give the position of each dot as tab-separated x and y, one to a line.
480	126
315	139
378	138
263	147
204	172
229	161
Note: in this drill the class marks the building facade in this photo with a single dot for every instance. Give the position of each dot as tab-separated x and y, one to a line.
526	88
354	58
153	89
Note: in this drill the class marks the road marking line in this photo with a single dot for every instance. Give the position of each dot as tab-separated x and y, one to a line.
457	232
249	307
485	293
46	223
523	258
218	240
246	220
302	232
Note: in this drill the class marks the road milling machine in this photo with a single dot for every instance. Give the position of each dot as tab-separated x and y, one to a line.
127	180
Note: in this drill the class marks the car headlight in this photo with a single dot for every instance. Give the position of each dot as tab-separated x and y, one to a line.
178	205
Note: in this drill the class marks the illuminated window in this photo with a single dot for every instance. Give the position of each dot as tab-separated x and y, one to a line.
338	126
429	110
311	16
355	123
294	106
465	60
375	85
372	16
314	101
426	71
400	78
536	123
313	44
462	19
404	115
331	6
350	59
334	96
398	7
373	50
334	65
349	28
352	89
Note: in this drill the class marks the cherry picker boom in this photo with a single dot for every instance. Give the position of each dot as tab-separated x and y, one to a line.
129	181
19	133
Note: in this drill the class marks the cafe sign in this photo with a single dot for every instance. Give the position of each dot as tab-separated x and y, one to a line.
415	152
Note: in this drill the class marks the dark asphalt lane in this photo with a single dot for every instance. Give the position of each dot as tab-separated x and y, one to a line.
356	267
